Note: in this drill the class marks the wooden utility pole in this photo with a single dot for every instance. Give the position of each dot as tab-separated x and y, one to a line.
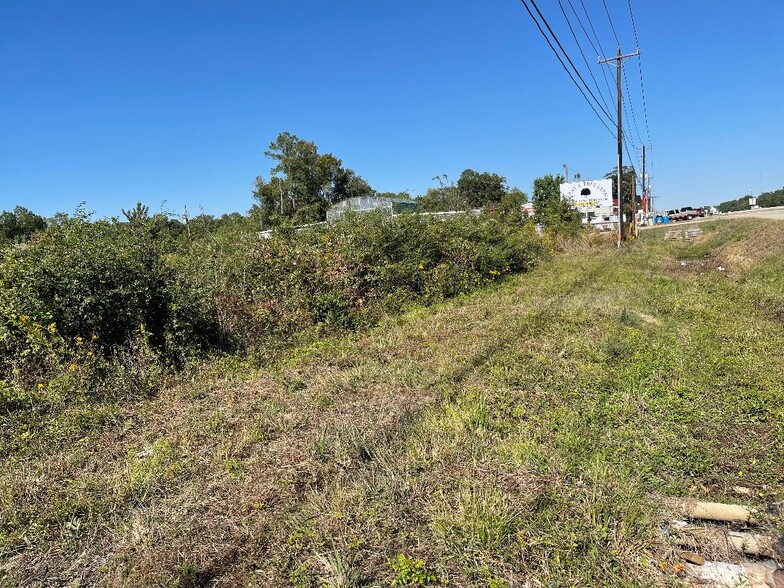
634	229
647	207
618	59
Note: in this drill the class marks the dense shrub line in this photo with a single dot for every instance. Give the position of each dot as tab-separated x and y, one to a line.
91	308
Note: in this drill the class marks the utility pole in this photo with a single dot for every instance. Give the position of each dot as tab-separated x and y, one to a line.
634	229
566	172
650	192
618	59
647	207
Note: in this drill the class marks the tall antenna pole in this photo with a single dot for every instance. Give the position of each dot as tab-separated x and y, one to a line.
618	59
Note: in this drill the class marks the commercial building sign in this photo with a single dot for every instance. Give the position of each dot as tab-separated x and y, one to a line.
588	193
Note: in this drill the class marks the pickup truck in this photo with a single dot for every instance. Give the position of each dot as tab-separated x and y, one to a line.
685	213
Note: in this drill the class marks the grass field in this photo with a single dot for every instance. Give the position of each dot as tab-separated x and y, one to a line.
525	435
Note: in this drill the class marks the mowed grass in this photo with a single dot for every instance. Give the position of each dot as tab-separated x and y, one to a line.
527	435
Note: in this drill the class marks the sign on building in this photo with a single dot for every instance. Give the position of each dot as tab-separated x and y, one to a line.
588	194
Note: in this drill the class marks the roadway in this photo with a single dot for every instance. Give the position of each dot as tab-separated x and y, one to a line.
775	212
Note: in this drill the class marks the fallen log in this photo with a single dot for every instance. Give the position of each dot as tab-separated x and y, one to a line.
716	511
752	544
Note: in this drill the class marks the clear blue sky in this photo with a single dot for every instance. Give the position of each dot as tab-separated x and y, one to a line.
114	101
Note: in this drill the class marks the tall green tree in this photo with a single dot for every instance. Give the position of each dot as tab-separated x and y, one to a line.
303	183
472	190
442	199
138	215
481	189
550	209
19	225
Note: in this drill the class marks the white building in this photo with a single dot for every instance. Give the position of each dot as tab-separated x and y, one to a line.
594	201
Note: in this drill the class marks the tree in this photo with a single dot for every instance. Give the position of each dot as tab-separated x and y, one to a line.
550	209
19	225
138	215
472	190
480	189
511	205
775	198
442	199
303	183
734	205
628	179
445	198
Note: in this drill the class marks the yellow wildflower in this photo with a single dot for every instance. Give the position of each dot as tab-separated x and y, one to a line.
40	386
52	328
72	367
79	341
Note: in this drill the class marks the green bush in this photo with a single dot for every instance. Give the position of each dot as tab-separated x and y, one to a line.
111	301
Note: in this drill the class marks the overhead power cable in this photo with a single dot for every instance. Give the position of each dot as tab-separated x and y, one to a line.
612	26
631	108
593	103
555	38
639	64
634	160
628	93
598	50
585	59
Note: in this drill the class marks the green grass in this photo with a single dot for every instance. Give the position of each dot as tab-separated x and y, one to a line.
526	433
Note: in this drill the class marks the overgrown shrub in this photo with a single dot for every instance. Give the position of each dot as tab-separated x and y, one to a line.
111	301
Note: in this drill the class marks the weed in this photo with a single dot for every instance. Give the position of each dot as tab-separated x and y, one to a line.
411	572
150	469
475	517
526	431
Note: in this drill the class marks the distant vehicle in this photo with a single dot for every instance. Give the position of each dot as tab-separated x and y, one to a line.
685	213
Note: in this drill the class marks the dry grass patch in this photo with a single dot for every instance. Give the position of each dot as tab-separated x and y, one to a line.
523	436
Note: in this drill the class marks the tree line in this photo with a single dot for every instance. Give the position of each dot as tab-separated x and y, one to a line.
765	200
303	183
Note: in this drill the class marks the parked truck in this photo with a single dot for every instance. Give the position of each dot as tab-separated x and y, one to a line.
685	213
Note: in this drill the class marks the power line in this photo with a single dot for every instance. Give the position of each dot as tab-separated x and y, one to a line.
593	28
555	38
631	108
585	59
634	160
639	64
598	50
612	26
566	69
626	82
598	47
618	59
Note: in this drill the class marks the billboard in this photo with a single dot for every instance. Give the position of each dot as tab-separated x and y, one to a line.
588	193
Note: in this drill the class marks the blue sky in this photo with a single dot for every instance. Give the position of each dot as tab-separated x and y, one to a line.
173	102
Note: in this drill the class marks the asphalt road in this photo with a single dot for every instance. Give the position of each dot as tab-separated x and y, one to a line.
776	212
